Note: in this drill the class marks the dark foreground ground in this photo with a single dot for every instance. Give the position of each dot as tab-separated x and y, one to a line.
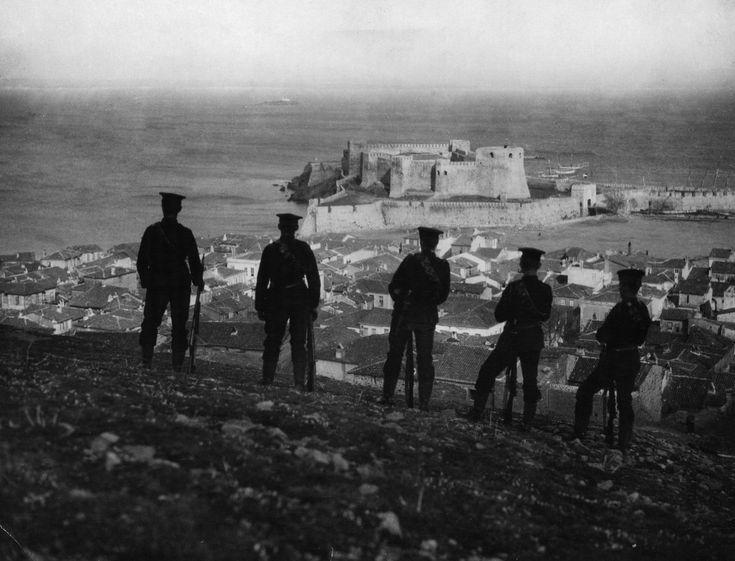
99	460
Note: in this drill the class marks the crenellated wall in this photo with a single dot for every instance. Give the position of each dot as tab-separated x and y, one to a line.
389	214
674	199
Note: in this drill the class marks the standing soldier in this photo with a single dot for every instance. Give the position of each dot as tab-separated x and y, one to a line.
524	305
282	296
419	285
165	250
622	332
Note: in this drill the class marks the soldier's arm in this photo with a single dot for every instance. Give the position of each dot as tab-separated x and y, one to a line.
643	326
312	278
263	279
605	332
399	287
504	309
143	262
195	262
545	307
445	283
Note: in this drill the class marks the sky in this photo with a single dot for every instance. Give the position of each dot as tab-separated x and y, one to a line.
591	45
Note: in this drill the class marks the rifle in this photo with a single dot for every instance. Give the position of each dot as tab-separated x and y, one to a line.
194	333
409	371
511	379
609	413
311	364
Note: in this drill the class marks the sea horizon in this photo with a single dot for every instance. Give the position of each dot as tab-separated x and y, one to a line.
85	166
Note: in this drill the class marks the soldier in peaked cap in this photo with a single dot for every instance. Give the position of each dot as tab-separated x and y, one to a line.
524	305
168	263
419	285
622	332
287	291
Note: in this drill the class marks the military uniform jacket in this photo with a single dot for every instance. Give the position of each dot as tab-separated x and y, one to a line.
625	327
164	252
524	305
283	266
419	285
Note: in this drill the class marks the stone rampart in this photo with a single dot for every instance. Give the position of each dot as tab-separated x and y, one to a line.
389	214
680	199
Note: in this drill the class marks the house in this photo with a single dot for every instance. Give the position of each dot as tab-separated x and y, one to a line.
679	267
459	364
58	318
21	295
66	259
723	295
88	253
463	267
96	297
719	254
129	250
117	321
472	290
468	316
17	258
110	276
380	263
723	271
377	290
249	262
338	361
570	294
239	343
693	291
676	320
597	306
461	244
592	278
376	322
227	275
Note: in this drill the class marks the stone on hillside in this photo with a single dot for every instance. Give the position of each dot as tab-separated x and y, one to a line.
389	523
276	433
605	485
340	463
312	454
317	418
182	419
368	489
138	452
234	427
111	460
265	406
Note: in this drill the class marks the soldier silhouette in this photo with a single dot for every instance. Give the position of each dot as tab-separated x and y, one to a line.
524	305
282	296
168	263
419	285
622	332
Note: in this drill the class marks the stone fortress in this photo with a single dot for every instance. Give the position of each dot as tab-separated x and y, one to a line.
440	184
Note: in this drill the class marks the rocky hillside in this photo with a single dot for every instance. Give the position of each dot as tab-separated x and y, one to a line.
101	460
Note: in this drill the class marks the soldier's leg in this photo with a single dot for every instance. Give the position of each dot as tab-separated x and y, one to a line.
298	319
624	383
490	369
397	340
531	393
584	398
155	305
425	363
180	300
275	327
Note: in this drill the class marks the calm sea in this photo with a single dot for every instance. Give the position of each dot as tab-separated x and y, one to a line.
85	166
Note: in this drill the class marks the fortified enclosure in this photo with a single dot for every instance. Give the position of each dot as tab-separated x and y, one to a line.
443	184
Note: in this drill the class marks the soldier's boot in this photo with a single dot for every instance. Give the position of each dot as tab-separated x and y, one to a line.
389	389
579	430
299	375
478	406
625	436
177	360
269	372
529	412
146	359
424	396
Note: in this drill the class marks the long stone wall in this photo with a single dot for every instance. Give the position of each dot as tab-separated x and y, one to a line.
388	214
677	199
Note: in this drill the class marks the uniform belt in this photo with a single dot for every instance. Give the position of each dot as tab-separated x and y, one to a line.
620	349
294	285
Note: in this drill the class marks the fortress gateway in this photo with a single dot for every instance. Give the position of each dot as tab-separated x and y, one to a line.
397	186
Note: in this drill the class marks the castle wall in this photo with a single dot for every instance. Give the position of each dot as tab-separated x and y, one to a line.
388	214
412	175
683	200
352	160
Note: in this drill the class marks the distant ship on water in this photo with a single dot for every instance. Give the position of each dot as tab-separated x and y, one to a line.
282	101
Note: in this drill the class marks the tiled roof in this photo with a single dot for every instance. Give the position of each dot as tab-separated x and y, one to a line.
27	288
719	288
460	362
96	297
487	253
723	268
575	291
371	285
377	316
467	288
112	322
720	253
89	248
677	314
